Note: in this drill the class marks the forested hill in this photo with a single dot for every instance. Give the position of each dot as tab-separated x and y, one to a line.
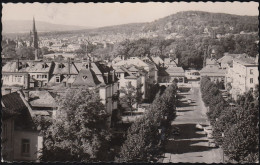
197	21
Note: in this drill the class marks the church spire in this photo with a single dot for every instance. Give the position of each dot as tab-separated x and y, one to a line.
34	28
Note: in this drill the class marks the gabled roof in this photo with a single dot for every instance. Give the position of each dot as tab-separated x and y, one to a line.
175	71
212	70
41	99
63	68
14	102
133	68
86	77
27	66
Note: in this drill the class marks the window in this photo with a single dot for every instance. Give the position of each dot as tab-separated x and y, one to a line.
38	76
44	76
251	80
33	76
251	71
25	147
57	79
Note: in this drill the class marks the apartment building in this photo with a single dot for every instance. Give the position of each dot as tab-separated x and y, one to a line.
243	75
21	140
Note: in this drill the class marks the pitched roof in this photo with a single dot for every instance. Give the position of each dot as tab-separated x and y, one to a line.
212	70
86	77
175	71
133	68
246	60
14	102
41	99
27	66
63	68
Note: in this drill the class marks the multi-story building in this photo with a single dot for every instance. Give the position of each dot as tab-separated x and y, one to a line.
133	75
147	65
16	73
244	75
20	138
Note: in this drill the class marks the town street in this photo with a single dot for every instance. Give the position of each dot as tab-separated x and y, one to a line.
190	145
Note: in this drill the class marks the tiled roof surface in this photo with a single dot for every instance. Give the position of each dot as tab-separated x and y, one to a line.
30	66
41	98
14	102
63	68
86	77
212	70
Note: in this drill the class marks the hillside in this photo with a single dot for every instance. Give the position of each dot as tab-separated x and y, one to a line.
196	21
24	26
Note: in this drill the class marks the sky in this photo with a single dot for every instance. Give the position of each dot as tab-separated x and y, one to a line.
106	14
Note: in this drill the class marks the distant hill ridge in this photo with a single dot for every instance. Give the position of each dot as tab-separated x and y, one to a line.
182	22
23	26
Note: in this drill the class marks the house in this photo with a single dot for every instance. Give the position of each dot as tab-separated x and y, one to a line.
39	73
227	59
98	75
21	139
133	75
171	73
64	56
214	72
63	71
243	75
41	102
147	65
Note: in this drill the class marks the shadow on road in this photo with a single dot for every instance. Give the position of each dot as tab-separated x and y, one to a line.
185	104
184	143
184	110
185	146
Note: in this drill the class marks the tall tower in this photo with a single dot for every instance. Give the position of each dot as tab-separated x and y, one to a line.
34	36
34	39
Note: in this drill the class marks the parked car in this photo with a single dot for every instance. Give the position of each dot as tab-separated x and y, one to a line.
209	135
199	126
212	144
189	101
176	131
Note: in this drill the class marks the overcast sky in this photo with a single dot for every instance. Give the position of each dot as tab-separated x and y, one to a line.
105	14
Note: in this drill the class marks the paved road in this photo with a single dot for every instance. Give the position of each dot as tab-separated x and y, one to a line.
191	145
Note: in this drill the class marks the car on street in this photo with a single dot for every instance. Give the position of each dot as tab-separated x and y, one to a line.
212	144
199	127
189	101
209	135
176	131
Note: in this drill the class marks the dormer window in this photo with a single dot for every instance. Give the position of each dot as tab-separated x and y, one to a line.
60	66
86	66
85	77
44	65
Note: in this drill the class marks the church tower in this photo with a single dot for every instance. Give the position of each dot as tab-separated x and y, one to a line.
34	36
34	39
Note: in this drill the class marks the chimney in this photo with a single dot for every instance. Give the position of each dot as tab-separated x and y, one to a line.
123	58
36	54
113	75
26	95
106	77
17	65
256	58
69	66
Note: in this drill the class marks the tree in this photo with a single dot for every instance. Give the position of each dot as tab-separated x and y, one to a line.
79	132
26	52
145	130
131	96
